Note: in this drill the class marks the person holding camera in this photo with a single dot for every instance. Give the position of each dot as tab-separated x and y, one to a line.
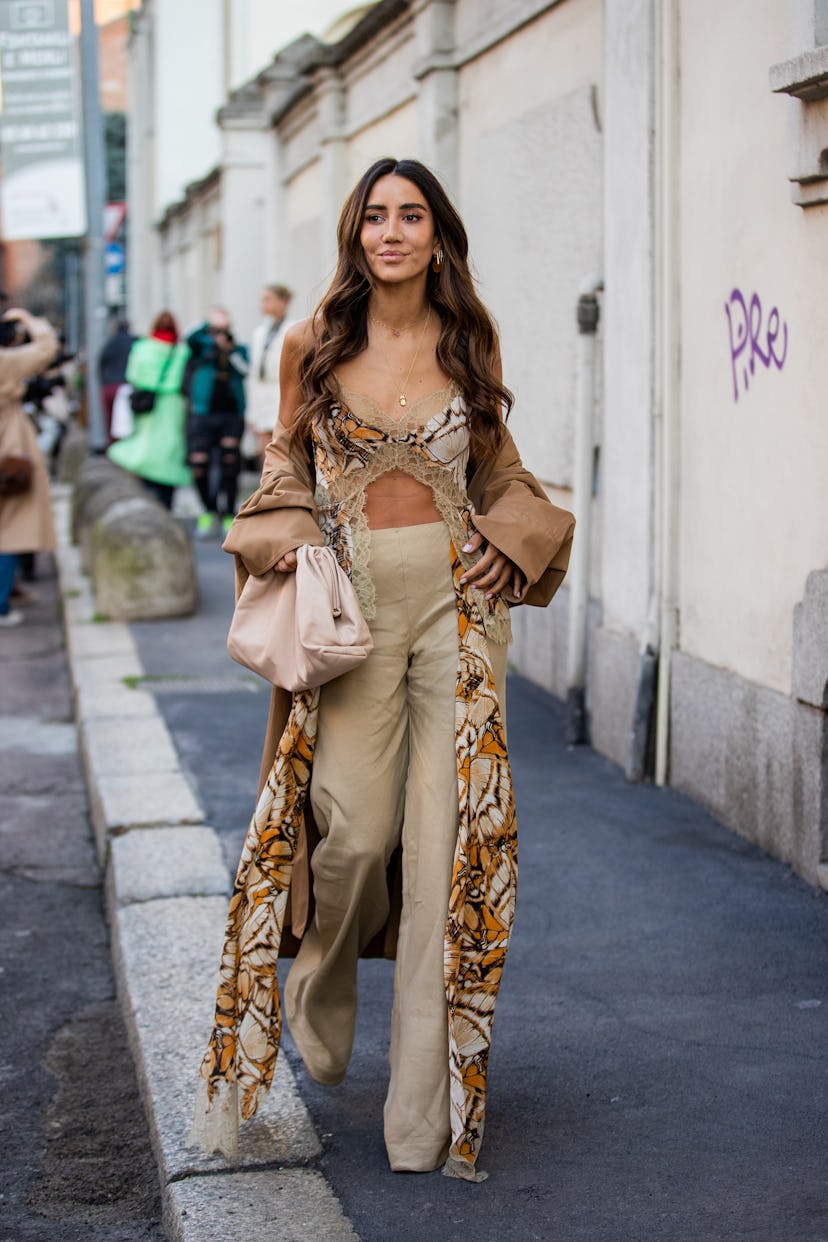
214	384
27	346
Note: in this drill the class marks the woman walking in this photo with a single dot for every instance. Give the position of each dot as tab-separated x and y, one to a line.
391	447
156	450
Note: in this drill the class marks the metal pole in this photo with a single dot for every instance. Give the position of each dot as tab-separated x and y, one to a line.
72	312
95	174
576	670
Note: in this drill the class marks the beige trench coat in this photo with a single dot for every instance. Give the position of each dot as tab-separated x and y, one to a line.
512	512
25	520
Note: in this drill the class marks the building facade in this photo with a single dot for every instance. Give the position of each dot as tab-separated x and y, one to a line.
662	158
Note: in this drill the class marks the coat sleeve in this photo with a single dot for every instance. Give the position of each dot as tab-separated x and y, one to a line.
21	361
240	359
515	514
281	513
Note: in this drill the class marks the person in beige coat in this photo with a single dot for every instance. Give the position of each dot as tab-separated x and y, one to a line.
26	517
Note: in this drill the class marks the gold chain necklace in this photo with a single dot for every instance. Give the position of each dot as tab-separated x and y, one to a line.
390	327
403	400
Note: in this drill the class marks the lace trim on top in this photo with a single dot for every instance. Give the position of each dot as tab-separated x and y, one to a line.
413	416
341	500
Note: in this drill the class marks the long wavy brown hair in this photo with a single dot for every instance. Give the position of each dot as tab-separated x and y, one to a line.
467	349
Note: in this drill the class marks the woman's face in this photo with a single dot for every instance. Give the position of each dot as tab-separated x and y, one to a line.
397	233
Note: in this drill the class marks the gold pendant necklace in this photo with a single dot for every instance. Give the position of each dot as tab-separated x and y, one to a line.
403	400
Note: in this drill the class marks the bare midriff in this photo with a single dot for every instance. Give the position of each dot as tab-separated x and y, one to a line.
397	499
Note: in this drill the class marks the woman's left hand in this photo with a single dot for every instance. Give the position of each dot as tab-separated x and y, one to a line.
494	572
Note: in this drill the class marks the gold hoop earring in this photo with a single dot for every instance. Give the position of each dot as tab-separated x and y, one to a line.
437	260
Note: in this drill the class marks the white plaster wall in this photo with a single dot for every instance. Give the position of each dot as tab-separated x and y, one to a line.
299	138
143	253
379	80
189	87
754	503
172	251
308	268
243	227
188	91
396	134
177	85
626	462
261	27
192	250
531	195
484	22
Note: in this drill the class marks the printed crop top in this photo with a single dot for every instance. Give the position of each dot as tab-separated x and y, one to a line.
358	442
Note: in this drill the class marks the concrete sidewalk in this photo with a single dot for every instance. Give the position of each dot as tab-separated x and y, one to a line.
167	888
658	1060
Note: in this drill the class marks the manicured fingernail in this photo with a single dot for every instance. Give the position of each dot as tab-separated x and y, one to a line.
489	594
462	581
467	547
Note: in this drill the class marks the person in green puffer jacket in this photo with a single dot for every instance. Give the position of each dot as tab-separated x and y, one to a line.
156	451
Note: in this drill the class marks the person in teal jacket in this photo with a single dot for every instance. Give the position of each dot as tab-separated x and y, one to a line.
156	451
214	384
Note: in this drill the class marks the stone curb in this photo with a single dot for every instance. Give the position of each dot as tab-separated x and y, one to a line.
166	892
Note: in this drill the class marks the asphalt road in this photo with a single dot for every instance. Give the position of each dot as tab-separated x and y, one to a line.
658	1063
74	1150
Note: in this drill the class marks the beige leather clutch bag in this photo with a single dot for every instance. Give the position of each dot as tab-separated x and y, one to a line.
300	630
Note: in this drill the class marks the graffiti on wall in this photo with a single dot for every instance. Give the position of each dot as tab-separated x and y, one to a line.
754	338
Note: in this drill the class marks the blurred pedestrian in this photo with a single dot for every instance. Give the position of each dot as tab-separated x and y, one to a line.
215	388
156	451
265	357
112	368
27	345
386	815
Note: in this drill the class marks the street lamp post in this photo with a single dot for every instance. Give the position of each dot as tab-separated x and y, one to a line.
95	179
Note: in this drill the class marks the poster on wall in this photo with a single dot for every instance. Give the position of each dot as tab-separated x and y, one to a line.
42	187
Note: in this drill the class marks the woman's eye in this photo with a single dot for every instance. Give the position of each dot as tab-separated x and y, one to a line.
412	218
373	218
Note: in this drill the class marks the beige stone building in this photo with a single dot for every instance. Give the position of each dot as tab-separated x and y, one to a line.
660	162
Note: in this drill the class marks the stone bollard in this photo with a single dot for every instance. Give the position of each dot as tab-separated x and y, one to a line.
95	473
72	453
142	563
110	491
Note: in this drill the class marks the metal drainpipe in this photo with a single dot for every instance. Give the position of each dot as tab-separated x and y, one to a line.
588	313
650	733
668	205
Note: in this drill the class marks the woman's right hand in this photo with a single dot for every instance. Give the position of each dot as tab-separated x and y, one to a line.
287	564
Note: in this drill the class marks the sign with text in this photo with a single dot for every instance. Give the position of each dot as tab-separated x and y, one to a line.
42	193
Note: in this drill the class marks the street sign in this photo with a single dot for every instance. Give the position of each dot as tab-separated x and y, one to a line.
114	258
42	188
114	216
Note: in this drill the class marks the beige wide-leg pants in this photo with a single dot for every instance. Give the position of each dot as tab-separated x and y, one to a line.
385	764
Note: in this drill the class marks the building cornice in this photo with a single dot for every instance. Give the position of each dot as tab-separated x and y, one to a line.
192	192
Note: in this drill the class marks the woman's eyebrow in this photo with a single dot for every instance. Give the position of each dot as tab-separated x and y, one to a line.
403	207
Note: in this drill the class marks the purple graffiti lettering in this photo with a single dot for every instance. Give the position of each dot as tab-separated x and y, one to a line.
750	335
773	333
755	329
739	338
